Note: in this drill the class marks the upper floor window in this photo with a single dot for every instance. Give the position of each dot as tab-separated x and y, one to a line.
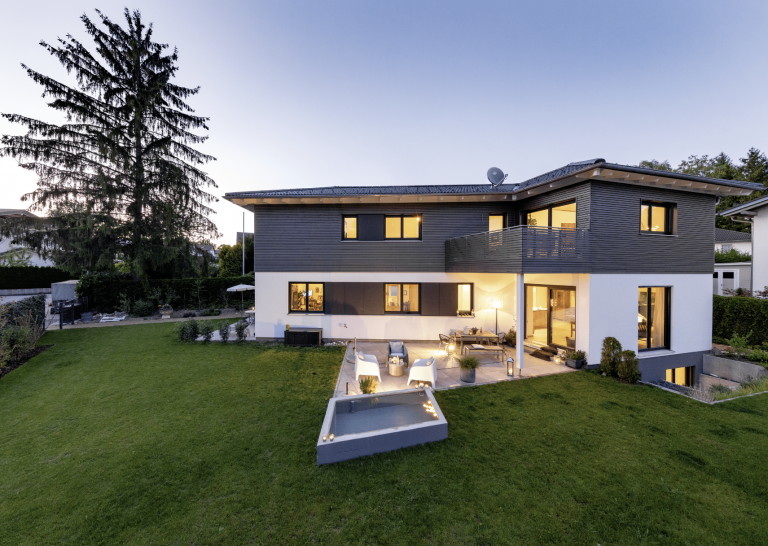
559	216
306	297
657	217
350	228
495	222
402	227
401	298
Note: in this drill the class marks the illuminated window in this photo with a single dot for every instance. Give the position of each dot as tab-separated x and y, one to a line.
495	222
557	216
681	376
306	297
401	298
657	217
465	298
402	227
350	227
653	318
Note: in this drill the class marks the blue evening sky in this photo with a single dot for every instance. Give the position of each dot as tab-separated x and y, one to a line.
322	93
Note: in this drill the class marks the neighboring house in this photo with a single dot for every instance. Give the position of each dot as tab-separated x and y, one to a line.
756	213
727	240
7	248
575	255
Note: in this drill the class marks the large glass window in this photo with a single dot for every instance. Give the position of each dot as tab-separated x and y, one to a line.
653	318
350	227
657	217
306	297
465	299
401	298
495	222
402	227
558	216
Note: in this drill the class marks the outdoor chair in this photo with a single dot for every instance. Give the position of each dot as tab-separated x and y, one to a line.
398	349
366	365
424	369
444	341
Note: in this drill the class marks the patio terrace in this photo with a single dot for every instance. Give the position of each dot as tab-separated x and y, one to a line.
491	370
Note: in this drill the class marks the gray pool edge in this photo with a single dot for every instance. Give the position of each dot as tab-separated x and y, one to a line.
352	446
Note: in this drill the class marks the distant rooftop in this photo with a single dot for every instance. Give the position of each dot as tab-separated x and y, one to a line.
748	208
16	213
593	169
730	236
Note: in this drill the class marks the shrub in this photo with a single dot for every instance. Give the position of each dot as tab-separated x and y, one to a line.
210	313
577	355
240	331
16	340
611	356
758	355
740	316
368	385
628	368
468	362
739	344
732	256
224	330
511	337
187	331
206	330
143	308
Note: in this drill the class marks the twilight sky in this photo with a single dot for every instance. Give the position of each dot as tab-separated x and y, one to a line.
350	92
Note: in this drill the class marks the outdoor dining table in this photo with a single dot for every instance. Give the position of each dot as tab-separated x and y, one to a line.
462	338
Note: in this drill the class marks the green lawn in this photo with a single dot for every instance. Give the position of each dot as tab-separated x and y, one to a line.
122	435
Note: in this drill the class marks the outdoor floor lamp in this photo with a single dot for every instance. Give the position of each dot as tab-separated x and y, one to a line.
496	304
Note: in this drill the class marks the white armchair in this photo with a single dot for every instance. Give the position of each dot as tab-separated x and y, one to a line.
366	365
424	369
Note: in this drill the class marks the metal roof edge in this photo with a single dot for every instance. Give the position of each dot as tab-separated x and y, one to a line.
743	207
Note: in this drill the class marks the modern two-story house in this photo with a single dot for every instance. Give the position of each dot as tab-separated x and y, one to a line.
580	253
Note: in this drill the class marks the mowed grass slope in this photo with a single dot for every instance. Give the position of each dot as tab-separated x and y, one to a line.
122	435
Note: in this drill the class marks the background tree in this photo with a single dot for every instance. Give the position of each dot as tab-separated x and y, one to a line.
753	168
231	258
120	178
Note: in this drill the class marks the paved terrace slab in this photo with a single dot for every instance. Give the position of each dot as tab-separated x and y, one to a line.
491	370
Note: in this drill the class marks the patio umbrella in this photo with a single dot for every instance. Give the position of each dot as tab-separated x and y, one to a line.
241	288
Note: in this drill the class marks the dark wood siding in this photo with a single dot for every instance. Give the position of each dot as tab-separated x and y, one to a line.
579	192
449	299
430	299
308	237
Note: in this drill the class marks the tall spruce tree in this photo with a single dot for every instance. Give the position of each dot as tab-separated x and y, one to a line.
120	177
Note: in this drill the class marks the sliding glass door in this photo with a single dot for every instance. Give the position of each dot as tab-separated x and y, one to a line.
550	315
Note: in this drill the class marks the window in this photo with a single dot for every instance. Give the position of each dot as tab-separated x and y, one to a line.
561	216
350	228
402	227
681	376
653	318
495	222
401	298
306	297
726	248
465	299
657	217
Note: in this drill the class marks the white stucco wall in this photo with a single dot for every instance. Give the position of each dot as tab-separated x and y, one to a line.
613	311
760	258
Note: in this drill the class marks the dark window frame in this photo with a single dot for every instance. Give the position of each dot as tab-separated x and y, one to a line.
306	287
357	224
471	297
401	312
670	217
524	214
667	319
402	225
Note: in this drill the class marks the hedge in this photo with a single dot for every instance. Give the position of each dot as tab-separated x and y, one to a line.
740	316
31	276
105	291
9	312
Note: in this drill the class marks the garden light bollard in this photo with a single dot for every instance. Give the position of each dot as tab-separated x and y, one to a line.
511	366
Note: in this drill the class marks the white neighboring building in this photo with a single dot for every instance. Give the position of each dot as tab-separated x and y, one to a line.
5	244
727	240
755	212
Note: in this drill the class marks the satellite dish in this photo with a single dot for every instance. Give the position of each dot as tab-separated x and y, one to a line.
496	176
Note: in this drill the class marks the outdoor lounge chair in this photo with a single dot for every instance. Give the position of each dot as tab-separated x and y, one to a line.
445	342
424	369
398	349
366	365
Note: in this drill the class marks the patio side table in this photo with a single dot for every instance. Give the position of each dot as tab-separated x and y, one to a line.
396	368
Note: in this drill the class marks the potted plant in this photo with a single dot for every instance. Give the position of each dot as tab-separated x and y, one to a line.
166	310
468	365
575	359
511	338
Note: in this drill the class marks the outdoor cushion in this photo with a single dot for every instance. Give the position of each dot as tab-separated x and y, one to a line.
474	346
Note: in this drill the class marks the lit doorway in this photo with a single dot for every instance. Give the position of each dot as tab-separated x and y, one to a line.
550	316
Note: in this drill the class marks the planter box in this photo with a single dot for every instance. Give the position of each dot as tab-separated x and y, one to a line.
574	363
733	370
467	375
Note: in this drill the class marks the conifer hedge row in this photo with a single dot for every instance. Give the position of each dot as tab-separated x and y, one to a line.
742	316
31	276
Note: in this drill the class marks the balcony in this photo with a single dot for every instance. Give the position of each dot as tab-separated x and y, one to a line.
519	249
